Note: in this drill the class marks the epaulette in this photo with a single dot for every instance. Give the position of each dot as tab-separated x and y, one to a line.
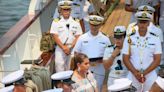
56	19
133	29
76	19
110	46
153	34
132	34
104	33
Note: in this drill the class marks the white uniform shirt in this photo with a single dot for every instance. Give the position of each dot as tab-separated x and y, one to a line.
137	3
142	49
92	46
108	52
66	35
152	28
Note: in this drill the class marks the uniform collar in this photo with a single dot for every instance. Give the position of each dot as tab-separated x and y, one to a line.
147	34
89	33
69	19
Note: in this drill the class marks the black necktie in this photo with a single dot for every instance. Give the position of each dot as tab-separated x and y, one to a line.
67	25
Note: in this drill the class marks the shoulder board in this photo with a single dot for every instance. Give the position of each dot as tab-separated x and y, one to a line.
56	19
153	34
133	33
135	25
77	20
103	33
133	29
110	46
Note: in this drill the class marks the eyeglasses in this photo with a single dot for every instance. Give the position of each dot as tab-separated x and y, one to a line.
66	9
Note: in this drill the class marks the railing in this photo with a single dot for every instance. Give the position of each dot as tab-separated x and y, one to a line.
22	41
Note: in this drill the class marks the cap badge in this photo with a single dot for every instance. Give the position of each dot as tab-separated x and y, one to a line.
66	3
94	18
145	8
118	30
144	15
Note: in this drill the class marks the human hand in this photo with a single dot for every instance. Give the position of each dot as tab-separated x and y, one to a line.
116	52
66	49
140	77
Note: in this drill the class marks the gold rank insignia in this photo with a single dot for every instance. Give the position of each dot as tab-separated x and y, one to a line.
77	20
56	20
94	18
66	4
118	30
129	40
144	15
145	8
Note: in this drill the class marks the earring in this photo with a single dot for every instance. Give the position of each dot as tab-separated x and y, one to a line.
78	69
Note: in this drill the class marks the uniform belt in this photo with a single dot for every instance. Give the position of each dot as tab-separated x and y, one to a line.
96	59
68	44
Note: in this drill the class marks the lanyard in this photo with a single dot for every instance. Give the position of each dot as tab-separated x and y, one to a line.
142	44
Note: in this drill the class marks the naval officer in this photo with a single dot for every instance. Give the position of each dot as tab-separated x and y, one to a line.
142	54
63	80
118	69
93	44
65	31
20	83
153	28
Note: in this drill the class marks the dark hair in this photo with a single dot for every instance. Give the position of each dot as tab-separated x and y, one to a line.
78	58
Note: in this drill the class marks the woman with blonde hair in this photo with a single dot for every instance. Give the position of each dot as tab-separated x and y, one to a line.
83	78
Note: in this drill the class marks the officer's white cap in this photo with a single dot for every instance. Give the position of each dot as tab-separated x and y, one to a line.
146	8
160	82
13	77
141	15
119	30
65	4
63	76
95	19
54	90
7	89
120	84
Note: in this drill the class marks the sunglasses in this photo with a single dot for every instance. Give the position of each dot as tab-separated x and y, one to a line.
66	9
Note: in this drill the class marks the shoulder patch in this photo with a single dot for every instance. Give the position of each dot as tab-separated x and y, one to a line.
153	34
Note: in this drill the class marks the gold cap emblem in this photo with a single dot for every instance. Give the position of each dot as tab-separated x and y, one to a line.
145	8
66	4
144	15
95	19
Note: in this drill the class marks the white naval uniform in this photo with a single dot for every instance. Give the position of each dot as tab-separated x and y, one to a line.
137	3
142	49
81	10
116	73
66	35
152	28
94	46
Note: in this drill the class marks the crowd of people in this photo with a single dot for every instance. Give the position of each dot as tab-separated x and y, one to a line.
83	53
